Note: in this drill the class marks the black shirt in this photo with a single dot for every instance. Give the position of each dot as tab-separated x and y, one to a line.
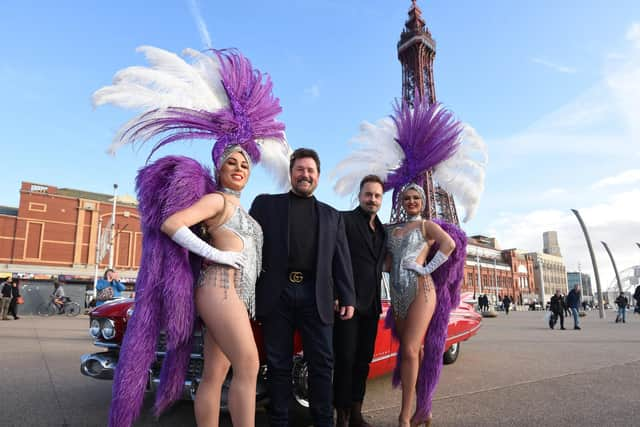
303	233
374	237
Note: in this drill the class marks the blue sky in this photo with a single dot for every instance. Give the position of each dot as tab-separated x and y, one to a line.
553	87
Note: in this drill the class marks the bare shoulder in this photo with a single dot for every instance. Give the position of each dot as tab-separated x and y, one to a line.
429	228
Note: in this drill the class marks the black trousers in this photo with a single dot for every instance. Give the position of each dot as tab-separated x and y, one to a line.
13	308
297	310
353	347
554	319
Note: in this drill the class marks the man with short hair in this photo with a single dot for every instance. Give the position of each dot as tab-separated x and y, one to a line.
306	266
6	299
573	302
622	302
354	339
557	310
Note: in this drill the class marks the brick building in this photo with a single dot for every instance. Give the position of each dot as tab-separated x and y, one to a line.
497	272
53	234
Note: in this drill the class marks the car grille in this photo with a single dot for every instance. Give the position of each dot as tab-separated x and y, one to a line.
194	371
196	348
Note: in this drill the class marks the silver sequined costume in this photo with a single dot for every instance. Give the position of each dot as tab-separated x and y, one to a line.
405	242
244	280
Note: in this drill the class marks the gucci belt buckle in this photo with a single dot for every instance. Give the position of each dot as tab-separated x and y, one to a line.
296	277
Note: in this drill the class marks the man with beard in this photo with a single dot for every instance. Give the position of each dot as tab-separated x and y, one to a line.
354	339
306	266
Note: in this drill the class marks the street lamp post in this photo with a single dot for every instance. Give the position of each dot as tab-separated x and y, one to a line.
113	226
479	277
538	265
95	273
593	262
495	278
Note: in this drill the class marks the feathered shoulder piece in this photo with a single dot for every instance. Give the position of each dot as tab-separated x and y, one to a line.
401	148
214	95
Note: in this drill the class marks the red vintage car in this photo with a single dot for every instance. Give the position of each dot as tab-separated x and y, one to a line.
108	325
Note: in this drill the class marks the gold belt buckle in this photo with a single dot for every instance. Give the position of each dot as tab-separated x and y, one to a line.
296	277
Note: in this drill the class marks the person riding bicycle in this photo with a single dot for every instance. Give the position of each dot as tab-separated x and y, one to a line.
58	296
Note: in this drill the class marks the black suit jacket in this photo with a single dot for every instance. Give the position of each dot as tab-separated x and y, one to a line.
333	275
367	263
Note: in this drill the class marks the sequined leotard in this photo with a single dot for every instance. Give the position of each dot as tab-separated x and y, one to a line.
244	280
405	241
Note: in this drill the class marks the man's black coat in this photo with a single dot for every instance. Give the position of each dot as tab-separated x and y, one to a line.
333	275
367	262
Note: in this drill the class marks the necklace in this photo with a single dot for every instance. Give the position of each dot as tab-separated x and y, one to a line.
230	191
414	218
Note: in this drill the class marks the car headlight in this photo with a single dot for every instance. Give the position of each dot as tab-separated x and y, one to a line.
108	329
130	312
94	328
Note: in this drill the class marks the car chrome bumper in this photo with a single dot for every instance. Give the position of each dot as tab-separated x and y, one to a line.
98	365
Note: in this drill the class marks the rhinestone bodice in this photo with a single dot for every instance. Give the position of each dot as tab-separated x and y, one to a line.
405	242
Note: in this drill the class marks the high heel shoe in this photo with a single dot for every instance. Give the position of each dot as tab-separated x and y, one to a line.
417	423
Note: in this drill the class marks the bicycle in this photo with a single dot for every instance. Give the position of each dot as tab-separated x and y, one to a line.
50	308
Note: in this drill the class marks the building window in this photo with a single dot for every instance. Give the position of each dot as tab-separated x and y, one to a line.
37	207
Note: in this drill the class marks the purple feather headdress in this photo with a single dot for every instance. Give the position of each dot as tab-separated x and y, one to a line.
400	149
217	96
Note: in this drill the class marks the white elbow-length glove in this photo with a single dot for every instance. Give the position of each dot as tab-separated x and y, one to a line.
188	240
438	259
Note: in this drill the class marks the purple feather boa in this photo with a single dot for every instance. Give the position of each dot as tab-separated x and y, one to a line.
447	279
164	290
428	135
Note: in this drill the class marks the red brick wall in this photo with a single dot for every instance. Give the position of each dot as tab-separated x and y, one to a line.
54	229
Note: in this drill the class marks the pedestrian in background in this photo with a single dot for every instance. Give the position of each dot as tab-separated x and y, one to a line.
13	305
636	296
622	302
109	280
573	302
506	302
6	298
557	310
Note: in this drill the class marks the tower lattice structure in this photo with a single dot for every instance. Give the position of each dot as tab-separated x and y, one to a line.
416	52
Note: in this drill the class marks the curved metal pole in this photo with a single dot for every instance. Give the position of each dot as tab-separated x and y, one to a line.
615	268
593	262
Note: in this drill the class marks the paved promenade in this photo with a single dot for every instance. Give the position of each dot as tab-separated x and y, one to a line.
514	372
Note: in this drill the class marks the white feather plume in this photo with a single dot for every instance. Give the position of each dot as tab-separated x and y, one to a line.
169	81
377	153
463	174
274	157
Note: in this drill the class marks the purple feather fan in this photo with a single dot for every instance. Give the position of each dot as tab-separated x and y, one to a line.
164	290
447	279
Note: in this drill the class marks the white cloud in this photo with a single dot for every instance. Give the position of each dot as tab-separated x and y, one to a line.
202	26
627	177
614	220
553	192
633	34
553	66
601	121
313	91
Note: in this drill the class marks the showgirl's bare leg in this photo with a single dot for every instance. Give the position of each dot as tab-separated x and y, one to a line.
411	331
230	340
